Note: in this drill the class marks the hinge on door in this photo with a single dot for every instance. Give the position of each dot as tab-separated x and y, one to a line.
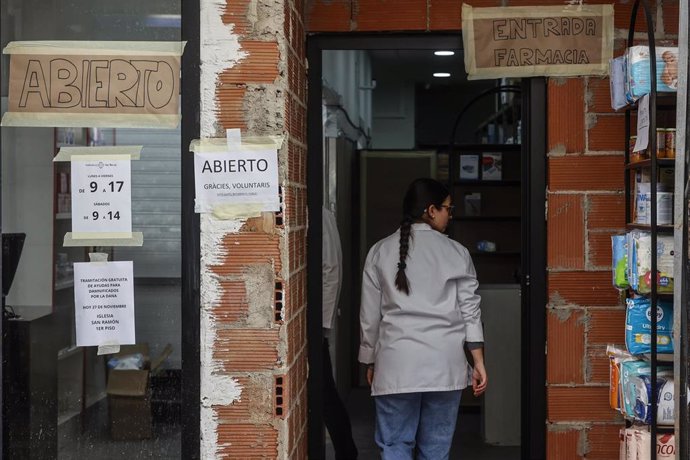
546	209
526	280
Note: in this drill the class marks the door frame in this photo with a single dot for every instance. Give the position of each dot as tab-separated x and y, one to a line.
534	294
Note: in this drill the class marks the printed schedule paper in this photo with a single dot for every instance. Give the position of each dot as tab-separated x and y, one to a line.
102	196
104	303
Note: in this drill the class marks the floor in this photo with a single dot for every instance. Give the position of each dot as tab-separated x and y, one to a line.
467	444
90	439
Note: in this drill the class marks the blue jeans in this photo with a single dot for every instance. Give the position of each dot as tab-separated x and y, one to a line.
422	420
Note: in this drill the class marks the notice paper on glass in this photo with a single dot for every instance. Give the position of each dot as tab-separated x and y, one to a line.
101	196
236	177
642	124
104	303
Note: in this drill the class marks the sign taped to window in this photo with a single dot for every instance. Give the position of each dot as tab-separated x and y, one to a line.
545	41
97	84
104	303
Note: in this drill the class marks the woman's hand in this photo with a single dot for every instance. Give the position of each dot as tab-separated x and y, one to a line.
479	379
370	374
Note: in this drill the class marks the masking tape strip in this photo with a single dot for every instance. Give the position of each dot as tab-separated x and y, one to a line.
220	145
103	239
108	349
73	48
231	211
93	120
118	152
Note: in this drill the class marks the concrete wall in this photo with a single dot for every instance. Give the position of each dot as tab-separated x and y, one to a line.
253	266
585	203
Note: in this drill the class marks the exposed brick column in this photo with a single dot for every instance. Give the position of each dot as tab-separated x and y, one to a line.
253	266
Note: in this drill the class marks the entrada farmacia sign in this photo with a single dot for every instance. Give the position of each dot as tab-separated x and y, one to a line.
537	41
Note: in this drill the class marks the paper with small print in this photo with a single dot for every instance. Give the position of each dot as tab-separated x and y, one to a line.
104	303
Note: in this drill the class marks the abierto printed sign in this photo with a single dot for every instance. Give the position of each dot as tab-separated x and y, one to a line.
104	303
537	41
236	177
97	84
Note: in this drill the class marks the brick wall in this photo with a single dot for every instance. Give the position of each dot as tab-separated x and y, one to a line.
585	206
253	266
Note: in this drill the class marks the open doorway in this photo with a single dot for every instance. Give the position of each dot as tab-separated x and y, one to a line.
383	120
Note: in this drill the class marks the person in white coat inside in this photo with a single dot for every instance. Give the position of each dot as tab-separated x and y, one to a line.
419	307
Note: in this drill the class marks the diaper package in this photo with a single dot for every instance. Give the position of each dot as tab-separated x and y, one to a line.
664	397
642	263
619	250
638	78
638	324
617	356
629	371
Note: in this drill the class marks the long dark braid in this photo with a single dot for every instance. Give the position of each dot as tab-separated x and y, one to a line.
401	281
421	194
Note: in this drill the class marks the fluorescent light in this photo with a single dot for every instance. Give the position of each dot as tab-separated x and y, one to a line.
444	53
441	74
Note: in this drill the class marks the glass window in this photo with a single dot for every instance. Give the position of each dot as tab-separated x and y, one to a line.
59	400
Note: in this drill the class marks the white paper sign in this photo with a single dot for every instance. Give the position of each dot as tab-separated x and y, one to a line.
104	303
234	177
102	195
642	124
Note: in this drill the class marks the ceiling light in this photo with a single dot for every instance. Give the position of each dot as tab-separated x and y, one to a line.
441	74
444	53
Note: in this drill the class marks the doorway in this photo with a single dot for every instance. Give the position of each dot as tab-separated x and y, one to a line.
378	118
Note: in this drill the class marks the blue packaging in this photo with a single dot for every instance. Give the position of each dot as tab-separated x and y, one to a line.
638	325
638	78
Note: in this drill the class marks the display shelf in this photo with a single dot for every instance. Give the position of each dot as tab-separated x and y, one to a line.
661	162
486	218
661	357
68	351
664	101
665	229
64	284
496	183
63	216
495	253
487	148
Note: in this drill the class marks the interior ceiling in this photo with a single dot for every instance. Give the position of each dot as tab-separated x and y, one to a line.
417	66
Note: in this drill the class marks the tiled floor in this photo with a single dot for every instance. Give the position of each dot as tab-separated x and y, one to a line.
467	444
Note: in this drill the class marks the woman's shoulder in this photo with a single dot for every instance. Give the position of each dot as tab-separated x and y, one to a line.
448	243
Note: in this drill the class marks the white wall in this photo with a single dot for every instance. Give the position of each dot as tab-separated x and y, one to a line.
27	207
393	124
348	74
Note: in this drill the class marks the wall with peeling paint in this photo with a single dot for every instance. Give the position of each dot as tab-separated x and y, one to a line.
253	360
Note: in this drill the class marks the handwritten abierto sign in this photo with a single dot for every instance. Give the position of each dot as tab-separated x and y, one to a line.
116	84
543	41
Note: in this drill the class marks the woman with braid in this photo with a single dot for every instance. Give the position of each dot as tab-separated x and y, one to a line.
419	308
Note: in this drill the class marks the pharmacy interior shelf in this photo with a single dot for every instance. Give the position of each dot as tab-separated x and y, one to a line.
661	162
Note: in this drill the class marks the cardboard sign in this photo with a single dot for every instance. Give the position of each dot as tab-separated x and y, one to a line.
104	303
537	41
116	84
237	177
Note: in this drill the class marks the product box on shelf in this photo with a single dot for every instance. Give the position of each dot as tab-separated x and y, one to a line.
640	263
492	166
619	251
635	444
638	326
638	78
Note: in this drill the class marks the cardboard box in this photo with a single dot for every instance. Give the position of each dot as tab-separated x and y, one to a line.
129	395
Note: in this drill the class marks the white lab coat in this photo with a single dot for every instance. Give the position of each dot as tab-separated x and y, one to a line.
331	268
416	341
